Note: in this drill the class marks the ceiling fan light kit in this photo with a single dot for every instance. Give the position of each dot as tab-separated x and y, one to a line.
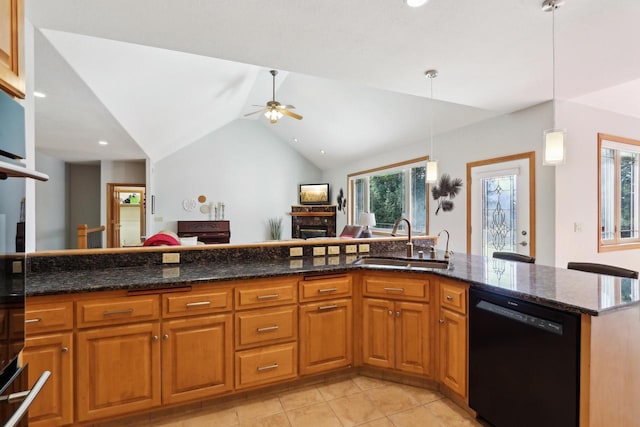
415	3
273	110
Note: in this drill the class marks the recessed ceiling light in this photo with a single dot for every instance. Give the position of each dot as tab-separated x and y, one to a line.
39	95
295	139
322	151
415	3
103	143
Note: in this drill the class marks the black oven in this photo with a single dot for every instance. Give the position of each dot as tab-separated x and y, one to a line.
15	396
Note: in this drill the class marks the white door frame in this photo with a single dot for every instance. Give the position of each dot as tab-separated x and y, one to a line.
531	156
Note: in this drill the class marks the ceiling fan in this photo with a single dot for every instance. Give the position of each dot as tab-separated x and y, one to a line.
274	111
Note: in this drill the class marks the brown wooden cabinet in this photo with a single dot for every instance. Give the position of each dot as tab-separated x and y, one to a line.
266	331
118	370
326	336
452	331
326	323
197	357
49	347
12	48
396	333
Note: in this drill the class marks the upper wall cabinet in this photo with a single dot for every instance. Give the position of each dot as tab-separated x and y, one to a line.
11	46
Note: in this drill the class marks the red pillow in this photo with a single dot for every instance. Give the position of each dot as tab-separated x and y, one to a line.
161	239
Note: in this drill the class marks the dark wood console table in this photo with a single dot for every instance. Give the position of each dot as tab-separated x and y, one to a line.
206	231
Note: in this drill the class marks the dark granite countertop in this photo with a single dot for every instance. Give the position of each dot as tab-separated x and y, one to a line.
567	290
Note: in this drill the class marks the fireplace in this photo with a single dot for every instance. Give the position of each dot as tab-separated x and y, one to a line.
311	231
311	221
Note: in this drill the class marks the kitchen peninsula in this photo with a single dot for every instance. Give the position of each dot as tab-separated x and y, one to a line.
196	330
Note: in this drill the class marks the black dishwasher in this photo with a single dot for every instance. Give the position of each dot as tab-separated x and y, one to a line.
524	365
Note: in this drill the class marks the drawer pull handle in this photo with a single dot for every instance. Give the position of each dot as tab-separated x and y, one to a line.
36	320
324	291
270	296
449	298
327	307
268	328
197	304
114	312
268	367
441	321
394	289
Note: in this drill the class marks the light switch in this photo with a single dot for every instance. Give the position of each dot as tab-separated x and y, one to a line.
334	250
351	249
363	248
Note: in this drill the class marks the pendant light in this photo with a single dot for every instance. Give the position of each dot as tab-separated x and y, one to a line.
554	139
432	164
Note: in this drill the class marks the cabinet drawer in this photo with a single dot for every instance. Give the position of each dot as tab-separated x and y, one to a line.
317	288
454	296
196	302
266	365
117	310
48	317
396	288
270	326
266	293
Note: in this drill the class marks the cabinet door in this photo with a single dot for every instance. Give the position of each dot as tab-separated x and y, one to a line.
118	370
453	351
326	336
197	354
412	337
377	332
11	47
54	405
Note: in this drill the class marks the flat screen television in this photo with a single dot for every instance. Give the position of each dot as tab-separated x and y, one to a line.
314	194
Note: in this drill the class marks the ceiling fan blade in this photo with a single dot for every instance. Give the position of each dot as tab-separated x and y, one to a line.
256	105
290	114
255	112
287	107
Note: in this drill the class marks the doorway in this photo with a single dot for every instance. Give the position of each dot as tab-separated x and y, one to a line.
501	205
125	215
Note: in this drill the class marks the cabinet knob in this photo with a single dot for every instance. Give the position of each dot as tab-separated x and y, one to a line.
397	314
64	349
441	321
165	337
449	298
390	312
155	338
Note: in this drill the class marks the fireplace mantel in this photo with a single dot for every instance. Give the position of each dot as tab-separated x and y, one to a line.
317	217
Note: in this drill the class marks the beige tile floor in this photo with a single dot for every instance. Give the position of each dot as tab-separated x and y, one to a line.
357	401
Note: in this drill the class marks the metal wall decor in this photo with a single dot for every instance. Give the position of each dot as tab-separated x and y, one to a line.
445	191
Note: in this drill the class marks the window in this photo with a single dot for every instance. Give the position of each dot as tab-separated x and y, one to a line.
619	162
391	192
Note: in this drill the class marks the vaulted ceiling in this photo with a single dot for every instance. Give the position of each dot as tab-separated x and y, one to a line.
153	76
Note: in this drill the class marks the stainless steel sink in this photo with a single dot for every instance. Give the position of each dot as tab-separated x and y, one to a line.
403	263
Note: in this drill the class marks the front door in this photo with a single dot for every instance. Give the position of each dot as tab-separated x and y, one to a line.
500	214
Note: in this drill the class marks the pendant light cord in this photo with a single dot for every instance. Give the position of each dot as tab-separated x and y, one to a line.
431	120
553	61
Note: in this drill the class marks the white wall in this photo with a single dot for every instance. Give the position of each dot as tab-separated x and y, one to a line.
514	133
51	215
577	185
243	165
83	199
